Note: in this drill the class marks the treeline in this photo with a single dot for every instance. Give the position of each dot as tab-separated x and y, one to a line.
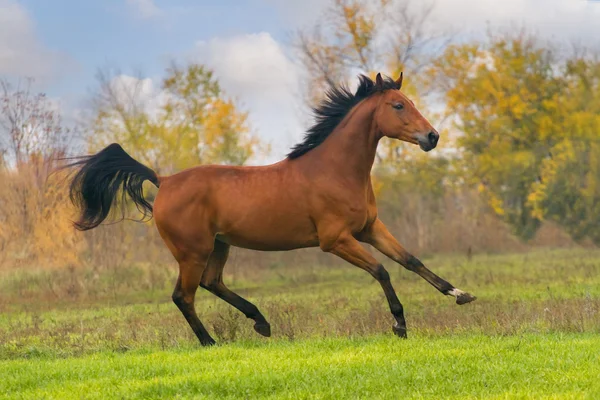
518	163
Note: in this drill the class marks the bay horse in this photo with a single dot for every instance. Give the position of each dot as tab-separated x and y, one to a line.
319	195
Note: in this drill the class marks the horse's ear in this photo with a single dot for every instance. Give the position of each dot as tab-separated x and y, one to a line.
379	80
399	81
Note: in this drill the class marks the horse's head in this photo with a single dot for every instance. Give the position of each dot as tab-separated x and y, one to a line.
397	117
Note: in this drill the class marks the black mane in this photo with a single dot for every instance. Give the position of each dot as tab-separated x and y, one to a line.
332	110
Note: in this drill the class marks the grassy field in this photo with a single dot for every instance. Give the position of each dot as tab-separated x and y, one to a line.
114	333
466	366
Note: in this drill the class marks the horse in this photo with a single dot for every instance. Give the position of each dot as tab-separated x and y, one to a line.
320	194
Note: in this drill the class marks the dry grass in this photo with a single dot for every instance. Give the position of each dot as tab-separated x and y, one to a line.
77	310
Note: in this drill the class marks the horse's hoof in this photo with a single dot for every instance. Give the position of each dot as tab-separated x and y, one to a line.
208	342
263	328
465	298
399	331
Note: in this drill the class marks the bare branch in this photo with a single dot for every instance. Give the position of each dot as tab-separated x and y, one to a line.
30	125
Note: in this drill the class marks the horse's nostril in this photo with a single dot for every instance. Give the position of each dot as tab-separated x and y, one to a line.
433	137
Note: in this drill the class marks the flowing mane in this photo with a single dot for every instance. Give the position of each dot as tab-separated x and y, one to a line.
332	110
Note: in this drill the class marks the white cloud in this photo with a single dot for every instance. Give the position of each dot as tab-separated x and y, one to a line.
298	13
144	9
142	94
562	19
21	53
255	69
576	20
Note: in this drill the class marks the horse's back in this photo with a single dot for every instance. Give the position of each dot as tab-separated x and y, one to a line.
262	208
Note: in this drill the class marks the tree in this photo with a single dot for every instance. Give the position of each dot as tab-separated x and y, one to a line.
30	125
568	189
365	36
187	122
34	210
529	126
503	94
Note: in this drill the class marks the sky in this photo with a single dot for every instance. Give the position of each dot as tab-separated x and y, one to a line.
62	43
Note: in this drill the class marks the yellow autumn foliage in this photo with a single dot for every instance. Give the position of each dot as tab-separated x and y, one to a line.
529	129
186	123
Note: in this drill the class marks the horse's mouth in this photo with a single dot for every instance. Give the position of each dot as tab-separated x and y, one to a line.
426	146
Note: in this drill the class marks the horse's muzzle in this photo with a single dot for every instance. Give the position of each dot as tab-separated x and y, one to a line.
429	141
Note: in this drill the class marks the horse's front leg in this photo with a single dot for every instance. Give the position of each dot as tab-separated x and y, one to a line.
379	237
348	248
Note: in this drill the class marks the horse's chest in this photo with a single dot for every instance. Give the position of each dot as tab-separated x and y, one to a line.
355	211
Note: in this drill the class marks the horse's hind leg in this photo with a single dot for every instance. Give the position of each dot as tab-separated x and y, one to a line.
212	280
190	274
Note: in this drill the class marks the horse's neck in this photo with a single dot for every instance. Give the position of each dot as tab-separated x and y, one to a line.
353	145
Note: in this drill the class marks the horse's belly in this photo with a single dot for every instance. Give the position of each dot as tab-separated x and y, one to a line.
269	233
254	243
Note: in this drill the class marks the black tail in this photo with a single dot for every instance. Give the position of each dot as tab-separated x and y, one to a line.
95	187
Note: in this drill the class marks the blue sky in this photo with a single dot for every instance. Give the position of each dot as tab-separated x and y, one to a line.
129	34
62	43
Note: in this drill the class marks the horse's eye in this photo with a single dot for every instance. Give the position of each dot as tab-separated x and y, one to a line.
398	106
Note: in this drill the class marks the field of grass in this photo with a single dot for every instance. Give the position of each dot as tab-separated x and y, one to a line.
534	332
465	366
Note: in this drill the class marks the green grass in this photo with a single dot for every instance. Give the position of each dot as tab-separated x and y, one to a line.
465	366
534	332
